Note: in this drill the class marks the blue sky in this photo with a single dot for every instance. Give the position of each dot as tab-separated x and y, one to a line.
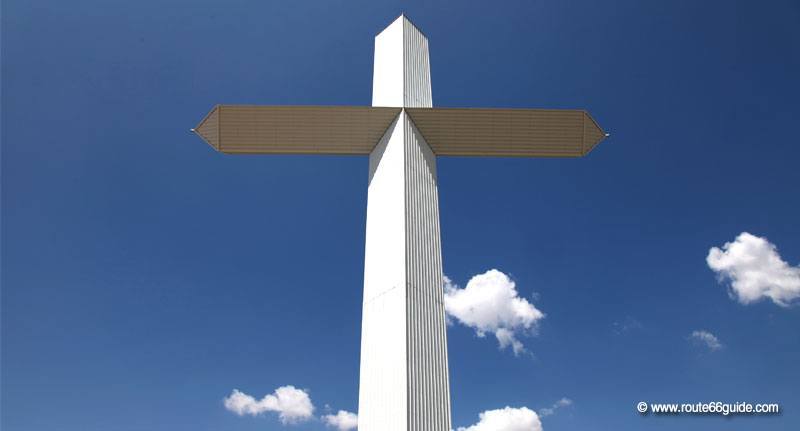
144	276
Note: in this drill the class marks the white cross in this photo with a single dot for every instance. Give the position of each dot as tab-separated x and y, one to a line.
404	374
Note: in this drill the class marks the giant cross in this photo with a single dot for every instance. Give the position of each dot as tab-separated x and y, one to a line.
404	383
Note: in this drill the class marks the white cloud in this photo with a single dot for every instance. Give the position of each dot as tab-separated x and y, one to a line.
343	420
491	303
292	405
706	338
755	270
629	324
547	411
507	419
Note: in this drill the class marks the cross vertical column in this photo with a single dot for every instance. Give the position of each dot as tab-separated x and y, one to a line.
404	375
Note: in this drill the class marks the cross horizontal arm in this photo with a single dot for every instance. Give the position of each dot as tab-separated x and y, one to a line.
244	129
507	132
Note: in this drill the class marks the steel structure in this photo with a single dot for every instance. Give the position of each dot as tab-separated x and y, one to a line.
404	376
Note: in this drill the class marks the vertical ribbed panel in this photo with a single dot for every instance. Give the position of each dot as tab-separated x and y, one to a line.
404	376
401	75
382	396
384	382
416	68
428	392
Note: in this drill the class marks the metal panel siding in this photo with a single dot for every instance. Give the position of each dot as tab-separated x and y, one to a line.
423	350
416	68
429	398
401	74
388	69
507	132
208	129
295	129
403	341
383	386
593	134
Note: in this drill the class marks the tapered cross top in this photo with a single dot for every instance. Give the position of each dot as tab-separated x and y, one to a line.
404	381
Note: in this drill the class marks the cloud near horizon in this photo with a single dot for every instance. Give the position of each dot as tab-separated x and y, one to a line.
490	303
292	405
755	270
506	419
342	420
